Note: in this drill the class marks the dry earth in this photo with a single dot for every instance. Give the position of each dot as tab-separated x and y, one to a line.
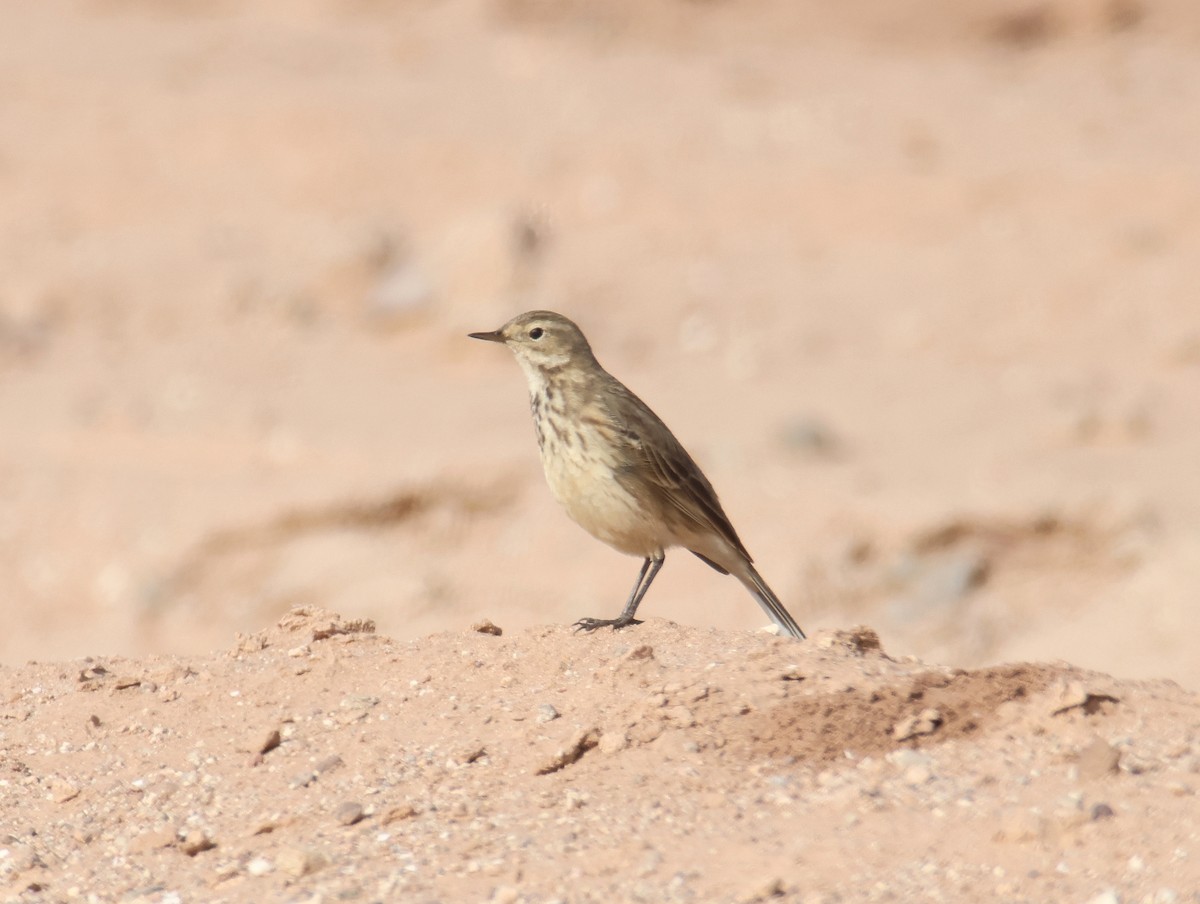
319	761
915	281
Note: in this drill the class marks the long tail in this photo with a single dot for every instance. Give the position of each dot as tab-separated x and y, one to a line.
766	597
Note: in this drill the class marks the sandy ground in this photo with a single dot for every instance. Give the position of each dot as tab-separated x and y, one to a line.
317	761
915	282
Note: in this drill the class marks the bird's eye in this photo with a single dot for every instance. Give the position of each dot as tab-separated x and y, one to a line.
536	333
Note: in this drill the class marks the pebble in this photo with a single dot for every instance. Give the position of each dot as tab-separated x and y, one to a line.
1098	759
1070	814
152	840
269	742
1136	765
1106	897
772	888
471	753
259	866
680	715
62	791
348	812
487	627
196	841
397	813
355	708
547	713
358	701
266	826
925	723
300	861
918	775
613	741
1075	695
20	858
579	744
328	764
641	653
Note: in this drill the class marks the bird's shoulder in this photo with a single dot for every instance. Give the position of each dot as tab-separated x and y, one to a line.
626	414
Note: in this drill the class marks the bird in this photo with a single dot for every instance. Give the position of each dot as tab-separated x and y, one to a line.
617	469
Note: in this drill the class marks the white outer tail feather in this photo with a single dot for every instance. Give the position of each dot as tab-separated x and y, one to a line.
770	603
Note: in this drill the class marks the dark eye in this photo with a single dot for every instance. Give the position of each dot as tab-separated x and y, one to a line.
536	333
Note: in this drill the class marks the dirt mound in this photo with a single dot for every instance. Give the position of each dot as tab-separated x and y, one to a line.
928	707
318	759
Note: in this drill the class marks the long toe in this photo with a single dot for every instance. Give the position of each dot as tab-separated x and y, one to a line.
588	625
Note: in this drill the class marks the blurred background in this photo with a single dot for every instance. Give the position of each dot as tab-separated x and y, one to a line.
915	281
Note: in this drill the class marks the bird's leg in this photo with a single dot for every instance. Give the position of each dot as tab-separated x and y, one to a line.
645	577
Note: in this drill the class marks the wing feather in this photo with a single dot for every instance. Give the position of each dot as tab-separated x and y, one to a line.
665	462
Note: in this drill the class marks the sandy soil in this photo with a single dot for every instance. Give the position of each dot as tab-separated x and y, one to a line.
318	761
914	281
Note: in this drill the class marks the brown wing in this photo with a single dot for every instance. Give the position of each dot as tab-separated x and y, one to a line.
667	464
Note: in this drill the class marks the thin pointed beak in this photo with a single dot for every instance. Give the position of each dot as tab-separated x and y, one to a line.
493	336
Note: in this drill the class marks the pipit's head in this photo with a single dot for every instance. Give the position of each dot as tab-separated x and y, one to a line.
542	341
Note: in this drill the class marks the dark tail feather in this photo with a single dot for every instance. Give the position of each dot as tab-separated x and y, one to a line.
769	601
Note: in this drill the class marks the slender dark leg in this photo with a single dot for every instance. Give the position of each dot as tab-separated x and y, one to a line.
645	578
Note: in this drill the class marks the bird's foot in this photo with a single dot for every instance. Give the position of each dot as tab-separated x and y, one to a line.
587	625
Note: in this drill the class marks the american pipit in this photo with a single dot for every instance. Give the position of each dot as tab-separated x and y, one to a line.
616	468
